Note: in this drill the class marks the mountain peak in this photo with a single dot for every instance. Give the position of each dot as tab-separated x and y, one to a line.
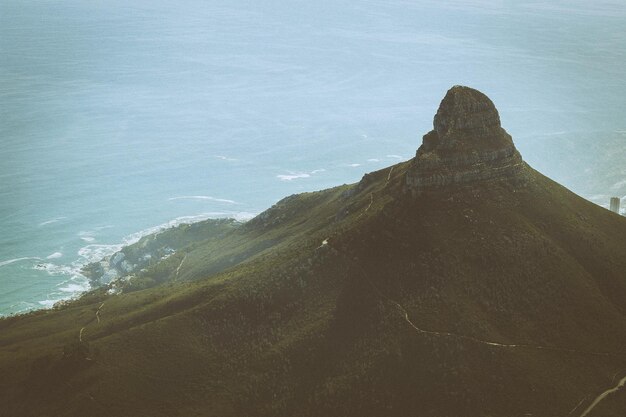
465	114
467	144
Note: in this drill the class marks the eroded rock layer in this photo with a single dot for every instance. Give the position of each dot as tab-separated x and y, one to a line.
467	144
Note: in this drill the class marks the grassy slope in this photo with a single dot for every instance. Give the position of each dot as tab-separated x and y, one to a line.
271	322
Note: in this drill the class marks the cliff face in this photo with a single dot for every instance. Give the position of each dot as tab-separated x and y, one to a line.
467	144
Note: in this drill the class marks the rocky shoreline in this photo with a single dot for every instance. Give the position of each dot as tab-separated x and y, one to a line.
132	262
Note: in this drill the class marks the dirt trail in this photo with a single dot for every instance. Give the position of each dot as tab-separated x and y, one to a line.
96	317
602	396
98	312
180	266
597	400
372	195
389	176
406	318
368	206
485	342
578	405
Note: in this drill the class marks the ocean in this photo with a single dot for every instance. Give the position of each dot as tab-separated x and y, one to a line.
118	118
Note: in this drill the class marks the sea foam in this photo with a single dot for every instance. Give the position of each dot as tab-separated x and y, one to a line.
48	303
74	287
47	222
87	236
76	283
10	261
294	176
203	197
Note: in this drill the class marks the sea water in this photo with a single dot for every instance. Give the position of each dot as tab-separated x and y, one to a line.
120	117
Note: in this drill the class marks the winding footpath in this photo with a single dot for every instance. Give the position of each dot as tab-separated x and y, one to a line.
595	402
405	315
389	175
368	206
407	319
180	266
602	396
372	195
97	318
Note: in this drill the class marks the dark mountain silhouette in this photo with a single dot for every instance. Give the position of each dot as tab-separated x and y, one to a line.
459	283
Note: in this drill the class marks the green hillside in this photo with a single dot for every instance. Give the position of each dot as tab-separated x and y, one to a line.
497	296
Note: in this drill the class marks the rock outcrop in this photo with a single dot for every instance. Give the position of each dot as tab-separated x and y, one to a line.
467	144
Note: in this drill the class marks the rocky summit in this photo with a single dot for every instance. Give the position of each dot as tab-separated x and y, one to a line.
467	144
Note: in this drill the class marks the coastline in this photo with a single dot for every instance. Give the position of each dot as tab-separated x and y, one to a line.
75	282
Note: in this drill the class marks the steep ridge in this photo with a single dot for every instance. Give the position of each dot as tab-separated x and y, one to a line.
489	291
